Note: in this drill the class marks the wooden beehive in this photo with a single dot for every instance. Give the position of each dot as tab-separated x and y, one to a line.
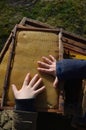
27	43
25	49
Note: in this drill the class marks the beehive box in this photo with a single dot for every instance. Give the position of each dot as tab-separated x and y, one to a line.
26	48
27	43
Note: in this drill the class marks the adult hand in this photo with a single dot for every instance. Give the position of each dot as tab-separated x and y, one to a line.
29	89
48	65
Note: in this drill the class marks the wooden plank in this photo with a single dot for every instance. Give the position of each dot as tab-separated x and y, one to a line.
20	27
74	49
8	72
7	44
34	23
74	43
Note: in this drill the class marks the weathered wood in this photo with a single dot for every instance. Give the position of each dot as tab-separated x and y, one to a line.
74	49
34	23
6	46
61	49
73	43
8	71
74	37
20	28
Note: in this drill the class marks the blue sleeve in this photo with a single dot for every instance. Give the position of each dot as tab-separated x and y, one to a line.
25	104
71	69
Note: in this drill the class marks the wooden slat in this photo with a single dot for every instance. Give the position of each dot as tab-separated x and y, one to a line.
73	43
8	71
75	49
20	27
8	42
34	23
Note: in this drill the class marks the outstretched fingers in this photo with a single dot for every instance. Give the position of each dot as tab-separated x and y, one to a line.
37	83
47	60
48	71
39	90
14	89
26	80
43	65
33	81
52	58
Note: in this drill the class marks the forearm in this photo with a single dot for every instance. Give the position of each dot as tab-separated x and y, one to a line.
25	104
71	69
24	116
23	120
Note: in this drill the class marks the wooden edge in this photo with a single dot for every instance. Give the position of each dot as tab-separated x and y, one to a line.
20	28
8	42
5	48
23	21
74	49
8	70
74	37
74	43
27	21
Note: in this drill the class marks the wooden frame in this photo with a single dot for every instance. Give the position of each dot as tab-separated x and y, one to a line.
70	43
11	59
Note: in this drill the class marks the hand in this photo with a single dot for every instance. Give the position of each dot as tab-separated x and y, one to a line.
48	65
29	89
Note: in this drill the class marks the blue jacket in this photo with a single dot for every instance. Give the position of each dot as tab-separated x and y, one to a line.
71	69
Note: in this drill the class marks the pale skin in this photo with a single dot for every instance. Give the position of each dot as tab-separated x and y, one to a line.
48	65
30	88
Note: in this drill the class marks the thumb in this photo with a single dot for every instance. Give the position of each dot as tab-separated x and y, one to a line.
14	89
55	84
